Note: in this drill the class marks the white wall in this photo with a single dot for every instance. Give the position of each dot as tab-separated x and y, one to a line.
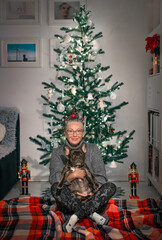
123	23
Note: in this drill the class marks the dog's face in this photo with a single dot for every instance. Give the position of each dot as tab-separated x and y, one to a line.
76	156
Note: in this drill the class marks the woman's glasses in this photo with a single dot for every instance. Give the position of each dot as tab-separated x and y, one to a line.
78	131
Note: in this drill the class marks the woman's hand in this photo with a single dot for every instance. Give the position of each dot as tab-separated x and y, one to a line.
78	173
84	194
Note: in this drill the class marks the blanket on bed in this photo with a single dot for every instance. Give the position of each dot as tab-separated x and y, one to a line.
31	218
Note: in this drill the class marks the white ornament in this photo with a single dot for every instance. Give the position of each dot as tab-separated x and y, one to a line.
90	96
110	123
80	49
60	107
73	90
67	38
49	93
77	76
57	75
113	140
101	103
43	144
93	135
96	45
85	39
75	67
90	23
48	147
81	100
113	164
104	144
55	145
113	95
108	86
70	80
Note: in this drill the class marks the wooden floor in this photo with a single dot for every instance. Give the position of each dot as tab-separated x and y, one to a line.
37	188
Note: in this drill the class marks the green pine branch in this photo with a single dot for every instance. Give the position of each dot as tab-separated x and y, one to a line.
79	69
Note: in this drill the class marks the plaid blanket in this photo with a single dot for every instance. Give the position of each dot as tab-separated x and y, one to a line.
32	218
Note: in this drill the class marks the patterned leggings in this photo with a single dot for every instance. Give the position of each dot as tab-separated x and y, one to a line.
68	203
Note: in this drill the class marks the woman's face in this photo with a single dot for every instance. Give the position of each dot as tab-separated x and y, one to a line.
64	10
74	132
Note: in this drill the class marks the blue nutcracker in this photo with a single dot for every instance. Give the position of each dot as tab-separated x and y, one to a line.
24	175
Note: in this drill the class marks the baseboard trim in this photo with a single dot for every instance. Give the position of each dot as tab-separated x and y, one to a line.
110	178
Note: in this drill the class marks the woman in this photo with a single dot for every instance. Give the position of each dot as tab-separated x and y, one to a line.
67	202
64	10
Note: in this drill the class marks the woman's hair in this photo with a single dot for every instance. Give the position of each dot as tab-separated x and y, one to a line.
73	117
72	120
62	4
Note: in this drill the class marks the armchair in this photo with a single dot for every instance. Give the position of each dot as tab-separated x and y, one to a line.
9	149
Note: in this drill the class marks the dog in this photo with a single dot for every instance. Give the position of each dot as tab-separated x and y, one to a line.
76	159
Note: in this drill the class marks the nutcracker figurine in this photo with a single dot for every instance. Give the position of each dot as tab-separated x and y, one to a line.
24	175
133	179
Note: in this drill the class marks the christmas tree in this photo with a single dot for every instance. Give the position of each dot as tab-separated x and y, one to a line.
85	90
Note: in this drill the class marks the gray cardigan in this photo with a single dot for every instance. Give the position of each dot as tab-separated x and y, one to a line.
93	160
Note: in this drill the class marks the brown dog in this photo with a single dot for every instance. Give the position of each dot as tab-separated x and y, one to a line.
87	186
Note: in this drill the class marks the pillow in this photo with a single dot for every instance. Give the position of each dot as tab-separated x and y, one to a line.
2	132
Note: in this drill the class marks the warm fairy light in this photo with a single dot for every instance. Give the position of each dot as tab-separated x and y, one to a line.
77	60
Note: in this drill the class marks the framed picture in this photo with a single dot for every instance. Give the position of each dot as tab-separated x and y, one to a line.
21	11
21	53
61	11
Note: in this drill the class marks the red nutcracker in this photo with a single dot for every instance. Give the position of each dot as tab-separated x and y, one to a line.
24	175
133	178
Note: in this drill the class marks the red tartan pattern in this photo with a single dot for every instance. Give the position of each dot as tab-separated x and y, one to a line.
30	218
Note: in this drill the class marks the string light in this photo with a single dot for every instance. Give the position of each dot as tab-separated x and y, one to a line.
77	56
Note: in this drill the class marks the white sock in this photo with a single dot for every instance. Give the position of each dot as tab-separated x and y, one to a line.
98	218
72	221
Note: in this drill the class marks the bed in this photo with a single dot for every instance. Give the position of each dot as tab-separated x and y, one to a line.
9	149
32	218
